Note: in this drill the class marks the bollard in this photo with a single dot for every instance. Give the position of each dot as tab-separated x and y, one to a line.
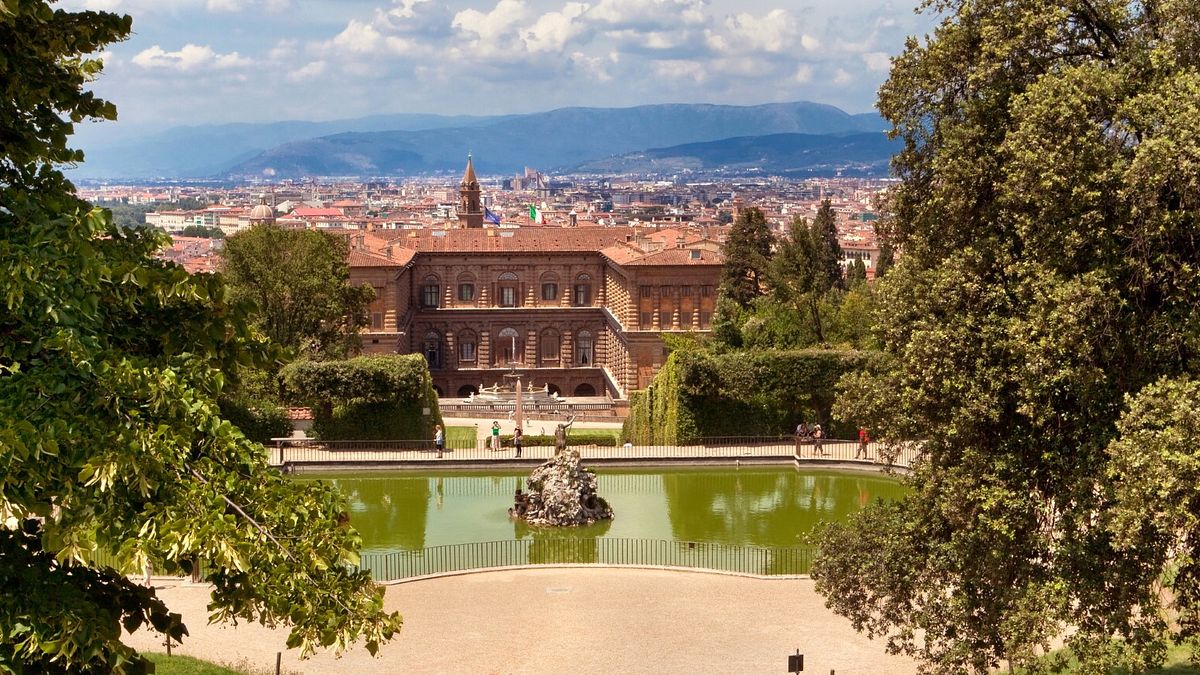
279	659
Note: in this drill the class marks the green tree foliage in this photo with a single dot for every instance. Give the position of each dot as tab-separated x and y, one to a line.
1041	334
297	280
747	252
856	273
367	397
796	276
202	231
887	258
697	394
111	363
827	252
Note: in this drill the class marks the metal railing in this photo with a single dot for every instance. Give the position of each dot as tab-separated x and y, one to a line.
292	452
397	565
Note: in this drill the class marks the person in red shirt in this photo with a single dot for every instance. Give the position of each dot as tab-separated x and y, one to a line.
863	439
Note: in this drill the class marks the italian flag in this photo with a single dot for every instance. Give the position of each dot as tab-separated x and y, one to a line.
535	215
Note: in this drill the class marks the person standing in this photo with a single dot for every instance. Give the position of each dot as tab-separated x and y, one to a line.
439	439
818	434
517	439
495	436
863	439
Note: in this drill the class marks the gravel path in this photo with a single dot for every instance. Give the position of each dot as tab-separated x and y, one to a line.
577	620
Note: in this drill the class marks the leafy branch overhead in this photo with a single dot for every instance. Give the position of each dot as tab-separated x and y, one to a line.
111	365
1042	341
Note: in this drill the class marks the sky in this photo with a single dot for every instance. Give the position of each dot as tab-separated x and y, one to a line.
216	61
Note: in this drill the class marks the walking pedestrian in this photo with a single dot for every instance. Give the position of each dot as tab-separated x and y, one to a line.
439	439
517	438
863	439
495	436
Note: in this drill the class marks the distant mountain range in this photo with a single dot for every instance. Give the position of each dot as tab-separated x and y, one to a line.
691	135
780	154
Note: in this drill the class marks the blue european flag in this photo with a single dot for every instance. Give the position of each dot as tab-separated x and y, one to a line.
490	217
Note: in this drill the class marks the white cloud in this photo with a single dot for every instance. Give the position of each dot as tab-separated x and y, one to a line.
595	66
189	57
308	71
649	13
503	19
283	50
803	75
552	30
358	37
878	62
842	76
223	5
681	69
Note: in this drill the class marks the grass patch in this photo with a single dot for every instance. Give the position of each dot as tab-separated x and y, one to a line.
186	665
1178	662
178	664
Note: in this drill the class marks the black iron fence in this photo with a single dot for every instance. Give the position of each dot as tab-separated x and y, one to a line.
396	565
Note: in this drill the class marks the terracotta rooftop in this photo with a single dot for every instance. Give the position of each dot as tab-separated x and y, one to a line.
400	257
519	240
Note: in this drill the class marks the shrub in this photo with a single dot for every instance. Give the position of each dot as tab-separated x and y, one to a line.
747	393
367	397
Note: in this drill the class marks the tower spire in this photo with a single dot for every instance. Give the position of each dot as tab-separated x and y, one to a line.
470	206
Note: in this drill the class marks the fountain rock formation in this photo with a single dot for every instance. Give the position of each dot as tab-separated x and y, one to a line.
561	492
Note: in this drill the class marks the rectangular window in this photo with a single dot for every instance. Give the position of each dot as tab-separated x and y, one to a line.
685	291
646	318
508	296
706	291
705	317
466	351
664	291
583	295
549	349
664	319
549	291
466	292
685	319
429	295
645	291
376	320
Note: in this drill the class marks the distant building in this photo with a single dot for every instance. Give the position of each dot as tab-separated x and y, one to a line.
580	310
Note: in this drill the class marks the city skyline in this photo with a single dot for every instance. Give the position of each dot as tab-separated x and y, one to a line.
197	62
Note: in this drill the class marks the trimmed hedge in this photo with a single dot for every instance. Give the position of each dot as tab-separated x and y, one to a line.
367	397
260	422
747	393
574	438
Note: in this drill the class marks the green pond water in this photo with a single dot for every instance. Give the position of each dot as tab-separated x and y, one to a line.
763	507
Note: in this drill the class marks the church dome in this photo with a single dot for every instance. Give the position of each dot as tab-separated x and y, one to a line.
262	212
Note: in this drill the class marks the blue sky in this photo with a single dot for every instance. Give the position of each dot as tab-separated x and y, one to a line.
212	61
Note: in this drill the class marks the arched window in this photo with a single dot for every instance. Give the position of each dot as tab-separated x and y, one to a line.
549	287
507	289
466	287
433	349
508	345
585	389
586	349
467	390
430	291
467	346
548	347
582	296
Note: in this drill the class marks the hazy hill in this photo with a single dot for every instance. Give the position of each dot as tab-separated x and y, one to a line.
850	154
556	139
208	150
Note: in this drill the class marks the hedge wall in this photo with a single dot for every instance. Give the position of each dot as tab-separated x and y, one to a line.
367	397
747	393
